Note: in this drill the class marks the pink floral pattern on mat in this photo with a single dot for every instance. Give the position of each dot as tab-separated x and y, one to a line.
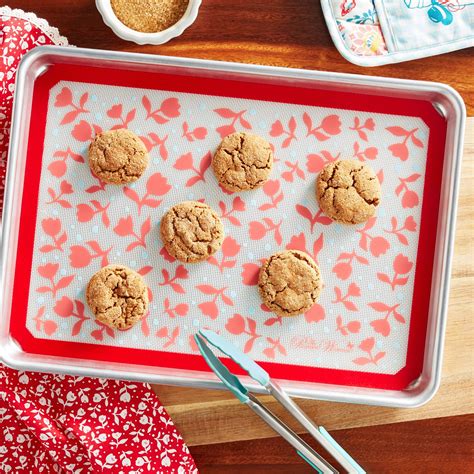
362	319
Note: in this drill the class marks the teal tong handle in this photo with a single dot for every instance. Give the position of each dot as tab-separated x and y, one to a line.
253	369
243	395
227	378
260	375
319	433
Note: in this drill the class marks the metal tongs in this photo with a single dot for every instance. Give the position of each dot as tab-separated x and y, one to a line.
258	374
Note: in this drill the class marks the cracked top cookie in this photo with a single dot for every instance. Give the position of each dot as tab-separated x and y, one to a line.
289	283
191	231
118	156
117	296
348	191
242	162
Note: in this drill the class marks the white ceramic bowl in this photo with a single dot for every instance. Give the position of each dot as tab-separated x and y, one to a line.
126	33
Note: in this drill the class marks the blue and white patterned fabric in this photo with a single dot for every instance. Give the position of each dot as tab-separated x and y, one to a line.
376	32
418	24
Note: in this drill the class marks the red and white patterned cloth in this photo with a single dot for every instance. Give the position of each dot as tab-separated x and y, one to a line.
54	423
19	32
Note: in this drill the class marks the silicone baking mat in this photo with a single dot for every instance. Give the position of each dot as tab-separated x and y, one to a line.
369	326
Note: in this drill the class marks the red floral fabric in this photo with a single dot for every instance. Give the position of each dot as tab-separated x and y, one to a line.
58	424
19	32
55	423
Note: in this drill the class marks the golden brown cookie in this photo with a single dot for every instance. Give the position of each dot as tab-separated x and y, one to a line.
191	231
243	161
118	156
348	191
117	296
289	282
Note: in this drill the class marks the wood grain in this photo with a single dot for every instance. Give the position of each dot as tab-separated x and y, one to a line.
206	416
292	33
289	33
443	445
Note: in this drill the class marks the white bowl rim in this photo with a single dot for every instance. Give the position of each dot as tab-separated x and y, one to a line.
160	37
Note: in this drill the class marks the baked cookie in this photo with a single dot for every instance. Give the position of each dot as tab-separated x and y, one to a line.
118	156
348	191
289	283
117	296
191	231
243	161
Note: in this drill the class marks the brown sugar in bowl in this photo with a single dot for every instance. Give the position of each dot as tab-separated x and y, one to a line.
174	21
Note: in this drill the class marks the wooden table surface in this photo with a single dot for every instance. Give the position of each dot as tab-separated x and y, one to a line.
225	437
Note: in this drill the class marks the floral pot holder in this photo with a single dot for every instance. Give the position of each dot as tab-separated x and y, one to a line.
377	32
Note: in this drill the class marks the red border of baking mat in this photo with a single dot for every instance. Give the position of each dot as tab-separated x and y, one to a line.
249	90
